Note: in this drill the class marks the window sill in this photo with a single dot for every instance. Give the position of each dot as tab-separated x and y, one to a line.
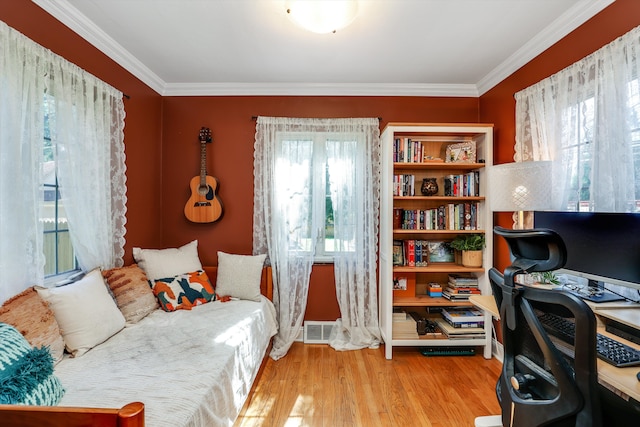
63	278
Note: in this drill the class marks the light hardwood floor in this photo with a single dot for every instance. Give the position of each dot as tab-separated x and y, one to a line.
317	386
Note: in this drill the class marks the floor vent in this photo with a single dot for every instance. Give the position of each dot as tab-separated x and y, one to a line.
316	332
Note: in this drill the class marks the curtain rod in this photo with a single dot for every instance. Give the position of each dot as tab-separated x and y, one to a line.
254	118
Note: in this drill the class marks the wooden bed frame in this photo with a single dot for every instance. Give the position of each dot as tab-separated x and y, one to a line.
130	415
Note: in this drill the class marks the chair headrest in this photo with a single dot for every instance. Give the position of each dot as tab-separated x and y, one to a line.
538	249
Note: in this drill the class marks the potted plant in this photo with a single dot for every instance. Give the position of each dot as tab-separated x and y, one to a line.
546	278
471	246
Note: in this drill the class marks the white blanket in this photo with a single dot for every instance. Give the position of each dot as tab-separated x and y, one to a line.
189	368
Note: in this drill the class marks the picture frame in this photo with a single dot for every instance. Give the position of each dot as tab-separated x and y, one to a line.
463	152
441	251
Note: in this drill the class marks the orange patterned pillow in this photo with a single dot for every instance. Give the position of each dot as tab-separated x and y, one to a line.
132	292
184	291
33	318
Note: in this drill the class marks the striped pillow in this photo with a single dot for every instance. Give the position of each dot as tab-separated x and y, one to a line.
132	292
26	374
33	318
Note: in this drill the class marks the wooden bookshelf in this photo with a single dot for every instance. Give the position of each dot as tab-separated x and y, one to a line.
402	174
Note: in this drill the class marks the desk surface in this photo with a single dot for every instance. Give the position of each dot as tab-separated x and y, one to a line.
486	302
620	380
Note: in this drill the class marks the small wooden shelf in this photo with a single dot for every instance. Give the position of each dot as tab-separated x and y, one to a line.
454	232
427	301
450	199
437	341
438	267
438	166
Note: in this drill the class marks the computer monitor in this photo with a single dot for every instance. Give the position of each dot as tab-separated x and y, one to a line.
601	247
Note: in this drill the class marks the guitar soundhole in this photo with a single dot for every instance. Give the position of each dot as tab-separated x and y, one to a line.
206	191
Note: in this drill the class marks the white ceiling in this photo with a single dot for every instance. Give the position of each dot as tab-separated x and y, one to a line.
394	47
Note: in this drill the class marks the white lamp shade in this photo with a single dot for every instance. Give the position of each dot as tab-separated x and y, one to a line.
521	186
322	16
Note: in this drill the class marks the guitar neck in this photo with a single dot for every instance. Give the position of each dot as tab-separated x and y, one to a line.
203	163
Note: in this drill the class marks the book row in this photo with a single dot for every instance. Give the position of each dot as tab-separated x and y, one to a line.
406	327
452	216
452	323
404	185
462	185
407	150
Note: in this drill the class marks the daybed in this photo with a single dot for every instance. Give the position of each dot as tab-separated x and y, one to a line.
182	368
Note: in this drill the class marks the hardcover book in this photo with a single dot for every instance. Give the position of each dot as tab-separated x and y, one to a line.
398	253
457	315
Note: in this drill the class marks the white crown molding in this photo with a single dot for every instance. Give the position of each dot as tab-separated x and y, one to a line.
567	22
64	12
318	89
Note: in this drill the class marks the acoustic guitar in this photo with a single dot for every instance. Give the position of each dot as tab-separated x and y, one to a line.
203	205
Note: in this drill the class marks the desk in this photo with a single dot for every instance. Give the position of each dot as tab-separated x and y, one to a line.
487	303
622	381
619	379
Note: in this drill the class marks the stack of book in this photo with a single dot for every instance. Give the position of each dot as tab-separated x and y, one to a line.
460	333
463	318
461	287
404	327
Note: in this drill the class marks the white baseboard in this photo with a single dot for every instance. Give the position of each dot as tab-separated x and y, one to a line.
300	336
497	349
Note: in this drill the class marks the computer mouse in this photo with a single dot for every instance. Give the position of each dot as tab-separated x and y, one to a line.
638	375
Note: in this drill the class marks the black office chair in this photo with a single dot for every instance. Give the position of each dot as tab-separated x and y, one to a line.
540	384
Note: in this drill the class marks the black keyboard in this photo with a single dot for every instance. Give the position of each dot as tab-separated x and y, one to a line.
610	350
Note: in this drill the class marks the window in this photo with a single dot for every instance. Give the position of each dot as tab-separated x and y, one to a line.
317	182
62	134
580	158
586	119
58	250
314	165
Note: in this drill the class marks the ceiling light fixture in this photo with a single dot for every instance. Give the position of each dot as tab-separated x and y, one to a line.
322	16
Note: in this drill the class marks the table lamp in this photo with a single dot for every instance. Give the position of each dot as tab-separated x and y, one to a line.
519	187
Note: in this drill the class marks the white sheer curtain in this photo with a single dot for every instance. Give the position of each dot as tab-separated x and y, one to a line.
22	85
586	118
284	221
87	129
286	224
354	171
81	111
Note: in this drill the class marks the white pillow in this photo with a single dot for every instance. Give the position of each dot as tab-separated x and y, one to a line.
85	311
166	263
239	276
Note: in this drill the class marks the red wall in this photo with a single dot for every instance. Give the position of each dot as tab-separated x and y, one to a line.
498	105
